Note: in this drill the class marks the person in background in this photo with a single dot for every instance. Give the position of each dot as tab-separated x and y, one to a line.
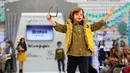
124	59
10	57
101	47
21	57
113	62
126	52
60	57
116	57
115	43
127	68
1	59
79	39
122	44
106	58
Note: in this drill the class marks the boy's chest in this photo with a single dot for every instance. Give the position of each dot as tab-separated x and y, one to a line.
78	29
59	51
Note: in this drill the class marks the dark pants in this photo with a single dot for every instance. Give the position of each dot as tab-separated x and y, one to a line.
101	62
73	62
9	62
1	71
90	59
101	56
61	62
91	69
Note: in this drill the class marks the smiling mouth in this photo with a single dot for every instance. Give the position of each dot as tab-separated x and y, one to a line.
79	18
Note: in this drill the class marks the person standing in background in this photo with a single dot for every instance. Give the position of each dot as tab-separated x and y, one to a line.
60	57
101	48
115	43
21	57
1	59
122	44
10	57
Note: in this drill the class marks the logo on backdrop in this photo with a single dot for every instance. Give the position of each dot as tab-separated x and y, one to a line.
37	46
39	32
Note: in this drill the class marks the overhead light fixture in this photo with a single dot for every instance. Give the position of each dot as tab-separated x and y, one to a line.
12	0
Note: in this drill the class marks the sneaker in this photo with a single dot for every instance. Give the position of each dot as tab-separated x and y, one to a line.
59	71
101	67
64	71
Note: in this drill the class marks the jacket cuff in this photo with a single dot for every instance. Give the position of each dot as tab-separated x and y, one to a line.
55	24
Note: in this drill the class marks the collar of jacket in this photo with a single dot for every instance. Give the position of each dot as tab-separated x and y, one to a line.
69	21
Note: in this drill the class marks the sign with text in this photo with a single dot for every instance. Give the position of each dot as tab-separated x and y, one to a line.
39	32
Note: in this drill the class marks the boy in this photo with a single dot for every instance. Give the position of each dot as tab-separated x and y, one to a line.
60	57
79	40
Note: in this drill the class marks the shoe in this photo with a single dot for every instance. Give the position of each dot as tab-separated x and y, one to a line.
59	71
101	67
64	71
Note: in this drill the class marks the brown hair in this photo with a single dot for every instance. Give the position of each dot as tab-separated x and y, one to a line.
116	54
21	40
125	48
115	43
59	42
11	44
122	44
100	43
74	11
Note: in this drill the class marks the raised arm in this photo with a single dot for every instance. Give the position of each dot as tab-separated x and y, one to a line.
109	13
58	27
98	25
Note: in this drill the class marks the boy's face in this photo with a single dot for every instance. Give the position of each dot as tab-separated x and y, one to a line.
59	45
78	16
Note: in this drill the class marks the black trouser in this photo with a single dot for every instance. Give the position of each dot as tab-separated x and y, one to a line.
73	62
61	62
10	61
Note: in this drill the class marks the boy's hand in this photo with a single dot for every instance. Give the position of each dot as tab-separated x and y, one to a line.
109	12
48	17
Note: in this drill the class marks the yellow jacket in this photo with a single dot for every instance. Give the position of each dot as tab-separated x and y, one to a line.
87	28
88	35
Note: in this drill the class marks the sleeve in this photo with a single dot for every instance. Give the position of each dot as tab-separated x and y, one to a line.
13	49
60	27
55	54
98	25
25	47
63	54
17	47
4	50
